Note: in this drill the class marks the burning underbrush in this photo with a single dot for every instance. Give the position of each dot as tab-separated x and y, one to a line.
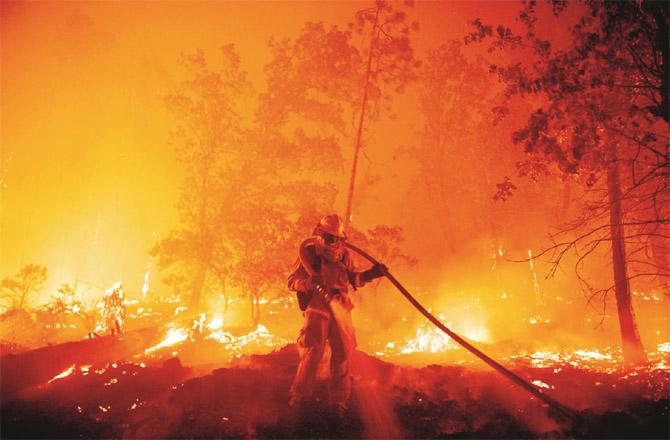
206	341
172	386
198	377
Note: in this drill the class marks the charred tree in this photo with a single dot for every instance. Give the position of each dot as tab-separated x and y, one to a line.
630	337
609	86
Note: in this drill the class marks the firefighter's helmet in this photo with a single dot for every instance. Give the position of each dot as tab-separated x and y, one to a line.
331	224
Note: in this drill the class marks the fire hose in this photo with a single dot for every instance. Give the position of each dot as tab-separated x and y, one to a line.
560	408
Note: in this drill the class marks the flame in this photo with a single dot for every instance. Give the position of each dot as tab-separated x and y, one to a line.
145	287
199	324
536	285
213	330
429	339
216	323
174	336
65	373
260	336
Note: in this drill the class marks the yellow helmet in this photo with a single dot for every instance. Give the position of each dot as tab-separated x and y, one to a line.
331	224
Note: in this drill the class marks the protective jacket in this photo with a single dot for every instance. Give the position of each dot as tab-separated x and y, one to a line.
337	276
327	318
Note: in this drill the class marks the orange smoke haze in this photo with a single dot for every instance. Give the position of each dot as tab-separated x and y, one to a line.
90	181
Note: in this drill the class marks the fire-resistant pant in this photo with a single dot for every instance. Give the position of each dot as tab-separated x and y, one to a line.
320	326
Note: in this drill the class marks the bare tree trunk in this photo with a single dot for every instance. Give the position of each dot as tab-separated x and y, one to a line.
630	337
359	132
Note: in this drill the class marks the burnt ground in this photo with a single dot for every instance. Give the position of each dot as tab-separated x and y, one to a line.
249	399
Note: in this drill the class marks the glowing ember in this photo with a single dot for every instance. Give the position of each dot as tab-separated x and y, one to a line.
63	374
592	355
544	359
607	360
664	347
540	384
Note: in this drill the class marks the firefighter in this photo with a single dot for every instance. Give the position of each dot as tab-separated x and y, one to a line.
322	278
114	309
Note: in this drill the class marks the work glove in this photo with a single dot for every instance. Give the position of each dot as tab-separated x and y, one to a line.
376	271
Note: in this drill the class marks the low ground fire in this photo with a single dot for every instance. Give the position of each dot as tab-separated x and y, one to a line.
198	377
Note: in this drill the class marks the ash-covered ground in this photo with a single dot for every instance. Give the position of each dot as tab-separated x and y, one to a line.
248	399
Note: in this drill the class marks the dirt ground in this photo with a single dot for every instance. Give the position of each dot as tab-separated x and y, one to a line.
249	400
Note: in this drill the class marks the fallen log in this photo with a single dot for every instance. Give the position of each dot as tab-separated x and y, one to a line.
35	367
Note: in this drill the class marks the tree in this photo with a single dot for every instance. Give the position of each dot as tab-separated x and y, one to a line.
384	243
260	240
62	307
313	88
390	64
326	77
17	290
207	142
602	121
244	205
454	154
